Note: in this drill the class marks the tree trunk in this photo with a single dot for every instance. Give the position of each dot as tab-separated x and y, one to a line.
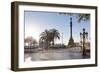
53	42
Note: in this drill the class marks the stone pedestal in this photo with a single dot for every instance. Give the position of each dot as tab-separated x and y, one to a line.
71	43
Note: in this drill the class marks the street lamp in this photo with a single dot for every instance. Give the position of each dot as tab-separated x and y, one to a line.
83	37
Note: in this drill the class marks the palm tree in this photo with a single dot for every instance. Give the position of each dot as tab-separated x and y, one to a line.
46	37
49	36
54	35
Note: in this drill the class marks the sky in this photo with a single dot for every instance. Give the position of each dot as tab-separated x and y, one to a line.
36	22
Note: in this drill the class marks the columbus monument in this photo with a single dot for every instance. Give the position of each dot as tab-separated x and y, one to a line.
71	40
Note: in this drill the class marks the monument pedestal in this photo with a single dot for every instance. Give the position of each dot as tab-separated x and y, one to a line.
71	43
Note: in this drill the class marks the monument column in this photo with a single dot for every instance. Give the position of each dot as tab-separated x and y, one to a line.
71	27
71	41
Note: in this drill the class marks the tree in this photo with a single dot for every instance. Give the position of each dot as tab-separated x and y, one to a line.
80	16
46	37
34	42
83	17
49	36
54	35
30	41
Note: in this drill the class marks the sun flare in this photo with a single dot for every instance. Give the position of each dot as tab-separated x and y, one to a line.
33	31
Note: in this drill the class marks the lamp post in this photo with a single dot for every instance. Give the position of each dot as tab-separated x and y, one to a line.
83	36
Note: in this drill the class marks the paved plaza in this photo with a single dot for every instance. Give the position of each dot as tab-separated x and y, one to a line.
56	54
